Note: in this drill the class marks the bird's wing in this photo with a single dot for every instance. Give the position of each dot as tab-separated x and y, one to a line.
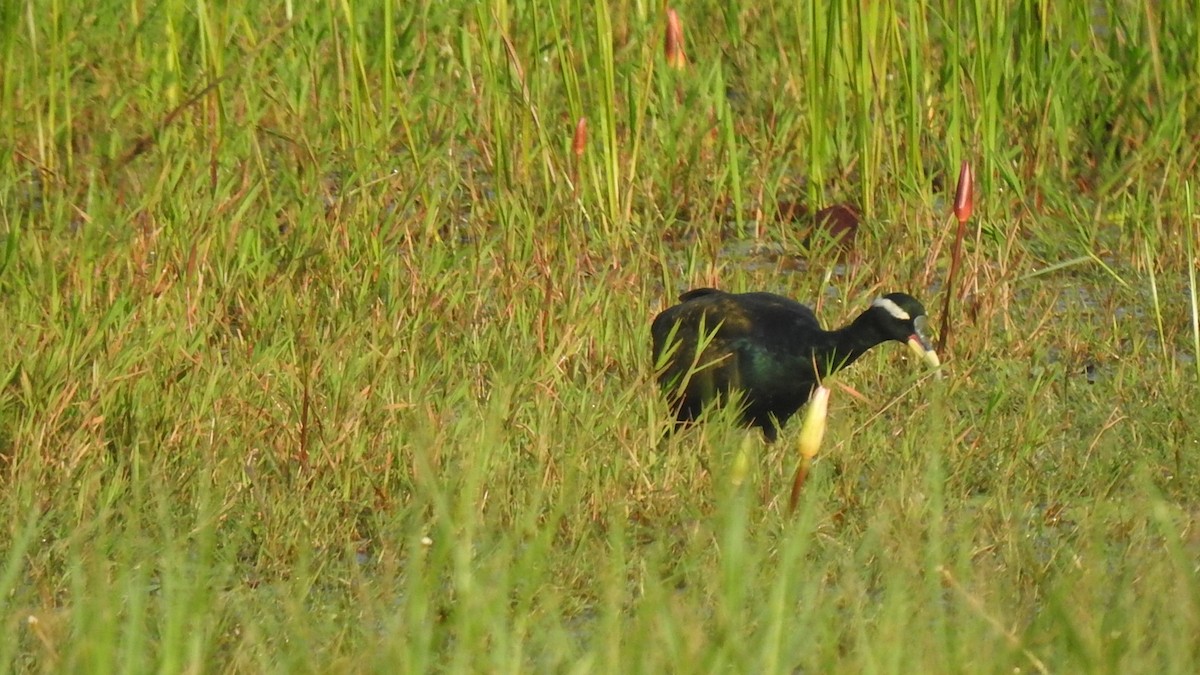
704	317
698	293
768	308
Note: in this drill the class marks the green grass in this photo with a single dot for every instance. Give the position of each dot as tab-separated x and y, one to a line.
325	353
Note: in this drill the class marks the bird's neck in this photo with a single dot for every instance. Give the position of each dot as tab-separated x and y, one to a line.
843	346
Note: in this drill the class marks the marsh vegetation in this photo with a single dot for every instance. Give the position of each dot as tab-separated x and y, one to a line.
327	337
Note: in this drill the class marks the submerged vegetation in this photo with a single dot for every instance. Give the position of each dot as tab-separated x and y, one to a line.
328	336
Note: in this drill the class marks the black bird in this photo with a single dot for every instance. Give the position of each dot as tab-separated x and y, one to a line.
769	348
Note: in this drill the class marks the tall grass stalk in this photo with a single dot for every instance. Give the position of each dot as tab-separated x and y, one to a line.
325	349
1191	223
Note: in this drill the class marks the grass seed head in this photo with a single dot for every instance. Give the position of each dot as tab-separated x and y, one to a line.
814	423
673	42
579	141
964	195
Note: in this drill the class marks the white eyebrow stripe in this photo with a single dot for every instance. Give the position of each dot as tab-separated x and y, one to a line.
892	308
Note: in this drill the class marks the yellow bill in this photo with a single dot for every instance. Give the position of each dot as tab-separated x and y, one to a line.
921	345
923	351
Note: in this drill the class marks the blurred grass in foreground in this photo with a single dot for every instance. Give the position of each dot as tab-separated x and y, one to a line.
328	351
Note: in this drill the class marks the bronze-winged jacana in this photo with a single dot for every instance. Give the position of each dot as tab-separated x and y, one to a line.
769	348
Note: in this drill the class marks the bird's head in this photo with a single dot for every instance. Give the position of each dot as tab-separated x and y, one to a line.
902	318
